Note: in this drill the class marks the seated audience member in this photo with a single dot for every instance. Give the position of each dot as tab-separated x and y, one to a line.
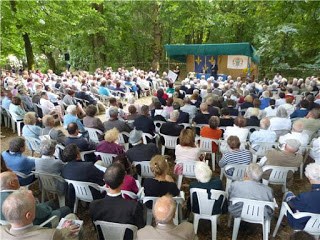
306	201
315	150
205	180
186	150
82	143
250	188
91	121
109	145
171	127
78	170
183	116
288	106
19	209
129	183
212	131
17	162
71	117
270	111
9	183
296	133
286	156
115	104
85	96
302	111
263	134
225	118
212	109
69	99
115	122
265	100
203	116
103	90
139	151
133	114
256	105
144	122
157	113
163	212
247	102
231	104
48	108
253	120
281	124
30	129
189	108
235	155
54	134
114	208
16	109
168	108
162	97
162	183
238	129
311	122
7	100
281	100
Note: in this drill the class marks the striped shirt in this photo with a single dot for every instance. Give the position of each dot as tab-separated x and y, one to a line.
235	157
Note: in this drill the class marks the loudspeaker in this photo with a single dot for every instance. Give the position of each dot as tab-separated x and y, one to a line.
66	56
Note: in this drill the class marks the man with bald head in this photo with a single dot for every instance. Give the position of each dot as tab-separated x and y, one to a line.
263	134
9	183
19	209
163	212
296	133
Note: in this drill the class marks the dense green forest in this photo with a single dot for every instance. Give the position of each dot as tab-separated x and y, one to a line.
125	33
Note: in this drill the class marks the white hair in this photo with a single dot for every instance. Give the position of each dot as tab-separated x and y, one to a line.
254	172
174	115
203	172
312	171
297	126
72	109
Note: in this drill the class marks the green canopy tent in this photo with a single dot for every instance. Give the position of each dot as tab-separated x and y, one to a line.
179	52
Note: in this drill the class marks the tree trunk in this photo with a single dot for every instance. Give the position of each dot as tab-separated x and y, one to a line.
29	51
51	61
156	37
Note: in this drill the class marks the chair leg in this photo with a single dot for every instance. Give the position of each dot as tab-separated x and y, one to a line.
163	148
266	229
214	228
196	219
62	200
19	128
282	213
213	161
149	217
13	125
236	226
75	207
179	182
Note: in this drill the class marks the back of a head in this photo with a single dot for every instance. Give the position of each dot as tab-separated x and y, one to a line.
202	172
114	175
72	109
158	165
292	145
214	122
187	138
16	144
91	110
281	112
70	153
174	115
240	121
176	106
297	126
312	172
9	181
48	147
122	159
113	112
16	205
48	120
72	128
145	110
164	209
234	142
265	123
254	172
203	107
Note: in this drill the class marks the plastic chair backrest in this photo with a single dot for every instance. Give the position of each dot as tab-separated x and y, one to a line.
206	144
33	143
158	125
238	171
111	231
313	225
278	174
145	169
263	147
107	158
170	141
49	181
206	204
93	134
145	137
253	210
188	169
82	189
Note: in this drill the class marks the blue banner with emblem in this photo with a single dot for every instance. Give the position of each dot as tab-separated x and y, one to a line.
203	64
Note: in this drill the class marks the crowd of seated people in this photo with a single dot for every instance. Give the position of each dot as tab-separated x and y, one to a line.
224	110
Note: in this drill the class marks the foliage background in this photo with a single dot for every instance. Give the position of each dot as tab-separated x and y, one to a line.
125	33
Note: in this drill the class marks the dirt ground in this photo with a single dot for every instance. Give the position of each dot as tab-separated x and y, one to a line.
247	231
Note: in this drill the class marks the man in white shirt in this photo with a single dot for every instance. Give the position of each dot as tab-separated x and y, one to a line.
263	135
47	106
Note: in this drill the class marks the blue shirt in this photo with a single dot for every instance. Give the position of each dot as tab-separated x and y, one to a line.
69	118
31	131
18	162
263	136
104	91
6	103
299	113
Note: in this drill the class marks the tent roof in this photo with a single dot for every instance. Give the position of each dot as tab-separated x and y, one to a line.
180	51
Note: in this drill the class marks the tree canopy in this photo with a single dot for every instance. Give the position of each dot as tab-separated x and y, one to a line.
114	33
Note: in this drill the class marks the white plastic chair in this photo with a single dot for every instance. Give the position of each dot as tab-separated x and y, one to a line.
206	147
146	136
107	158
178	216
312	226
22	175
206	207
145	170
33	144
111	231
262	148
158	125
237	175
58	151
84	153
15	122
121	140
188	171
278	175
49	183
94	134
185	125
170	142
82	191
252	212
